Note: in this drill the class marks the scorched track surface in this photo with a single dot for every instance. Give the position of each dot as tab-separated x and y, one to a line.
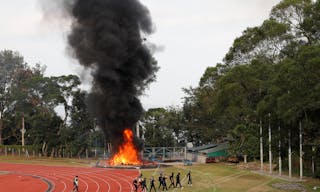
40	178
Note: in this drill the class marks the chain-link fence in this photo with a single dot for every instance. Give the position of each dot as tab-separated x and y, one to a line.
36	151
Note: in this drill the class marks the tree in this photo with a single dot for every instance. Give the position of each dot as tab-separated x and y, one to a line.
270	69
296	90
292	23
244	141
161	127
77	137
10	62
29	101
267	40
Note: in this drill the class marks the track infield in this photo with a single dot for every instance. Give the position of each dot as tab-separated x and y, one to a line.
41	178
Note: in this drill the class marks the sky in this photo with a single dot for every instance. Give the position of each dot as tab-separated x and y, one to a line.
192	35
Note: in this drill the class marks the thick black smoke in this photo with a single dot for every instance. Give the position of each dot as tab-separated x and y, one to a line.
108	37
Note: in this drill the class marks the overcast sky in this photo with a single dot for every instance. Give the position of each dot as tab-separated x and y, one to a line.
195	34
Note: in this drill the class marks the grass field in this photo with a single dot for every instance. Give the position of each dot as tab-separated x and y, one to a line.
205	177
226	178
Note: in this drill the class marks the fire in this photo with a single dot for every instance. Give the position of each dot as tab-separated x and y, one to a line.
128	154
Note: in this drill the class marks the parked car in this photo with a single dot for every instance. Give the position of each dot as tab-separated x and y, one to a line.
211	160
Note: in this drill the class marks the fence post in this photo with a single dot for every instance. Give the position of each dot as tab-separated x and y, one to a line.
185	152
5	151
27	154
163	153
153	153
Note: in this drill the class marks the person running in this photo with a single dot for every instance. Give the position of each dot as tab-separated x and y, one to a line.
152	186
75	184
189	178
164	184
178	180
144	185
160	180
135	184
171	180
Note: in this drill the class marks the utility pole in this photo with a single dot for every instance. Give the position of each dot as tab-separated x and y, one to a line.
261	147
270	152
280	160
301	152
1	127
23	131
289	153
312	161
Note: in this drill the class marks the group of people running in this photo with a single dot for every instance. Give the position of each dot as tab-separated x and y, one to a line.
142	182
174	182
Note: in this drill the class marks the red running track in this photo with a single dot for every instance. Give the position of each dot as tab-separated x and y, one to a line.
40	178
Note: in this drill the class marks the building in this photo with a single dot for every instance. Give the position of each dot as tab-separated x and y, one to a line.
199	154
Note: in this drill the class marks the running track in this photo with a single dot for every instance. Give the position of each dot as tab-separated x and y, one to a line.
40	178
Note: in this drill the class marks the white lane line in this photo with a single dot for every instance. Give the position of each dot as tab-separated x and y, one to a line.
53	175
102	180
89	178
36	174
114	180
126	179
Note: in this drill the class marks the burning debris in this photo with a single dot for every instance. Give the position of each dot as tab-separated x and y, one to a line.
108	37
127	153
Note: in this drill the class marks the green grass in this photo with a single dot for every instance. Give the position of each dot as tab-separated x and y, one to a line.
221	178
48	161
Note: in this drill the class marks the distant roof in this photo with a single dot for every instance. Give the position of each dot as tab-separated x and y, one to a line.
219	147
203	147
210	148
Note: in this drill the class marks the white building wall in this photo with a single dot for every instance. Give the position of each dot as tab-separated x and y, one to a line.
196	157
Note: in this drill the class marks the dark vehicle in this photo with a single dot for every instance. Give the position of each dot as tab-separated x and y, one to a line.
211	160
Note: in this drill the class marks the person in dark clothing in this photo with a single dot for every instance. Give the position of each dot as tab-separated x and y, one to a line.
152	186
160	180
171	180
178	180
135	184
164	184
189	178
144	185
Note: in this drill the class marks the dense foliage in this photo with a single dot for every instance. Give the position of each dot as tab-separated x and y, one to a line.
271	74
51	109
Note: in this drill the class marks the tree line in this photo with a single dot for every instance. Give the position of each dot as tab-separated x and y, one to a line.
46	114
270	77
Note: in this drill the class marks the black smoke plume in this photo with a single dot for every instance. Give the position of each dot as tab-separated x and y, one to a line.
108	36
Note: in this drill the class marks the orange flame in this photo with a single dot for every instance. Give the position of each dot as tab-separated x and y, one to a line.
128	154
